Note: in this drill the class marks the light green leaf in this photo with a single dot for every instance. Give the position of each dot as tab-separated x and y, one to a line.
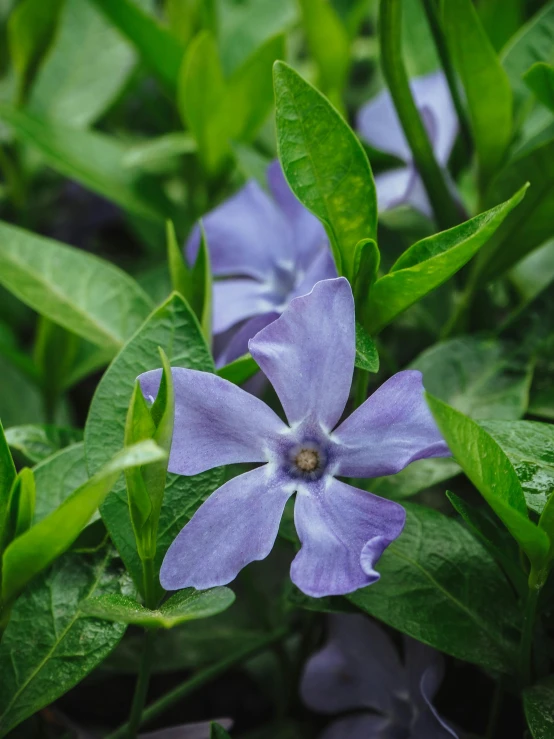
325	165
367	259
49	646
540	79
546	524
21	507
36	442
486	84
43	543
153	151
538	702
57	477
81	292
367	356
186	605
501	19
440	586
7	479
239	370
418	476
430	262
158	47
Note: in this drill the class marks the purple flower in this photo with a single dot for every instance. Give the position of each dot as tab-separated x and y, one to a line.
269	250
359	671
378	124
308	356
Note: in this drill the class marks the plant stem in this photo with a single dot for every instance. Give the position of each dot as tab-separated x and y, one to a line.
528	632
201	678
149	584
361	384
444	207
494	714
141	688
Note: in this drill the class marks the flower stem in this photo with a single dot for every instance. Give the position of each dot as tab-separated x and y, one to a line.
444	207
494	715
361	384
143	681
149	584
528	631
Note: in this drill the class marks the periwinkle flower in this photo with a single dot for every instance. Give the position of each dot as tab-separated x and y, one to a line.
308	356
359	673
267	250
378	124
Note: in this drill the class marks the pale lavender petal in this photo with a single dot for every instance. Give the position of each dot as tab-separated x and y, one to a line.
246	235
237	345
431	92
420	660
238	524
216	422
234	300
363	726
358	668
200	730
393	187
308	353
429	725
378	124
417	196
336	523
391	429
322	268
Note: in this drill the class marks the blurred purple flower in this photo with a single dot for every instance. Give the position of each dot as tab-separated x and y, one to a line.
308	356
359	671
269	250
378	124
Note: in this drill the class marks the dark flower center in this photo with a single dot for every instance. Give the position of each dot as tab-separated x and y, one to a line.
307	460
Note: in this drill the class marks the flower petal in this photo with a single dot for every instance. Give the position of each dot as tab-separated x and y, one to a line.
237	345
364	726
335	523
358	668
431	91
235	526
246	235
237	299
378	124
393	187
308	353
391	429
322	268
429	725
216	422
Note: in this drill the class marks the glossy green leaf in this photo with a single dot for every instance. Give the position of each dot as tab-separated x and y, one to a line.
94	160
530	448
367	356
325	165
366	268
57	477
546	524
21	506
173	327
239	370
540	79
201	294
81	292
36	442
49	646
43	543
538	702
418	476
430	262
7	479
486	84
186	605
439	585
160	49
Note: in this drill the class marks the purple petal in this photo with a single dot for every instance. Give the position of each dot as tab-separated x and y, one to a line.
216	422
322	268
237	345
393	187
391	429
336	523
429	725
237	299
421	659
235	526
417	196
364	726
308	353
246	235
431	92
378	124
358	668
200	730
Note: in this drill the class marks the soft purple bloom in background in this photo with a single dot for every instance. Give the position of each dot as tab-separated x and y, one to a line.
268	249
359	670
378	124
308	356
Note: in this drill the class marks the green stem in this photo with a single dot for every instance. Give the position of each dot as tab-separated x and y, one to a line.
150	584
361	385
141	688
201	678
528	631
444	207
494	714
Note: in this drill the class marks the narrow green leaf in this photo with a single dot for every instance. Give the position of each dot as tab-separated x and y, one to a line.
538	702
367	356
57	477
540	79
201	298
37	442
430	262
158	150
186	605
546	523
7	479
43	543
325	165
181	279
486	84
21	507
366	267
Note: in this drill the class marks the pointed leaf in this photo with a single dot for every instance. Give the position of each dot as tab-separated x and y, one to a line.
540	79
37	442
367	356
21	506
7	479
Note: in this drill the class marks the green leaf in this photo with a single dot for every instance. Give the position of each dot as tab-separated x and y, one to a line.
75	83
94	160
366	268
173	327
418	476
186	605
538	702
218	732
81	292
486	84
367	356
7	479
48	646
179	272
430	262
490	470
540	79
37	442
239	370
21	507
483	378
201	296
546	524
57	477
43	543
325	165
160	49
440	586
501	19
158	150
529	446
20	399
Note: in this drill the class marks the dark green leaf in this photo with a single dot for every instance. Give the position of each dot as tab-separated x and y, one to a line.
539	709
201	297
367	356
439	585
218	732
49	646
20	399
57	477
7	479
186	605
540	79
21	507
366	267
418	476
325	165
239	370
36	442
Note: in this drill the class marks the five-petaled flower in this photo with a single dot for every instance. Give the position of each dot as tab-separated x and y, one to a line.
378	124
308	356
359	673
267	250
